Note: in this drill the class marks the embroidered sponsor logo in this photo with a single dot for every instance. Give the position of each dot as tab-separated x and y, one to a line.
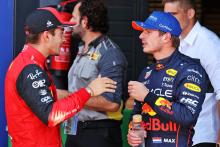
153	18
163	102
189	101
46	99
191	109
164	105
155	124
148	110
37	84
162	93
146	82
35	75
42	92
167	85
94	56
147	74
192	87
171	72
49	24
193	78
195	71
190	94
168	79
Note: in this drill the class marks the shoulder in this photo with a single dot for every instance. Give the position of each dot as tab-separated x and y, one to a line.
207	38
109	49
186	62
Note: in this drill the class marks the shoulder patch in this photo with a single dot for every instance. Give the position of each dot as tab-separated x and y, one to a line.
171	72
192	87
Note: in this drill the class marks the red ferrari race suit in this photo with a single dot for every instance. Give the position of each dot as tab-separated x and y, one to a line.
32	110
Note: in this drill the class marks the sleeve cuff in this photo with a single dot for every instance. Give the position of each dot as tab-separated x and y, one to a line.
151	98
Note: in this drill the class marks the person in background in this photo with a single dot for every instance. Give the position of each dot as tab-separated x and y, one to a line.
198	42
32	110
98	124
166	94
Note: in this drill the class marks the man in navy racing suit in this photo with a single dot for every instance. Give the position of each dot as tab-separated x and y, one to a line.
170	93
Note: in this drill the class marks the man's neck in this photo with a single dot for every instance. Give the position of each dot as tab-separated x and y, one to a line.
41	49
164	53
89	37
188	28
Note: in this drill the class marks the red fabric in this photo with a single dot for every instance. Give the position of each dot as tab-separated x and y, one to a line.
25	128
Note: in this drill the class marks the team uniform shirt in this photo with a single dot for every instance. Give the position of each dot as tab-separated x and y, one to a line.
203	44
177	88
103	58
32	110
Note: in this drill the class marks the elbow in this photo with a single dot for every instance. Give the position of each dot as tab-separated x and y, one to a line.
113	107
189	121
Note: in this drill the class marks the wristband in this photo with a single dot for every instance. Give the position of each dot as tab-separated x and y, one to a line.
90	91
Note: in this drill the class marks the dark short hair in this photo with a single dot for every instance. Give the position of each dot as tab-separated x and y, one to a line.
96	12
185	4
34	38
175	40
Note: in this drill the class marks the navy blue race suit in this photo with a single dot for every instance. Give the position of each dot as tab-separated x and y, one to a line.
177	87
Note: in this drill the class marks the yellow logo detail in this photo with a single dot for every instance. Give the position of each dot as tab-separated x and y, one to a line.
94	56
171	72
163	102
146	109
192	87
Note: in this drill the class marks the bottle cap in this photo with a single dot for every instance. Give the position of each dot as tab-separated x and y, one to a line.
137	118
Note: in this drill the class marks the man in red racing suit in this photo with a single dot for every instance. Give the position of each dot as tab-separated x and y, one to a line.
32	109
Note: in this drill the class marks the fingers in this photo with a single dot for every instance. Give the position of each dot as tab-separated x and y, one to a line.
110	90
109	81
110	86
133	139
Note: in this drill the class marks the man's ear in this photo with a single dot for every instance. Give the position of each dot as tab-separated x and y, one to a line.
166	37
191	13
45	35
85	22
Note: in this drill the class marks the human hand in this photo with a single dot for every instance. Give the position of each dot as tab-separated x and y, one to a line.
137	90
101	85
133	139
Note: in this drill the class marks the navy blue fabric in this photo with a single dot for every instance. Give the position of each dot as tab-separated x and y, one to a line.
33	86
170	110
113	65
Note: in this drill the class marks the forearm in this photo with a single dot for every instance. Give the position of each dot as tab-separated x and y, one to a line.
62	93
100	103
67	107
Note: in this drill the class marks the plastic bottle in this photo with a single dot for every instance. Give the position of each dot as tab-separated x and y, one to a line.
138	129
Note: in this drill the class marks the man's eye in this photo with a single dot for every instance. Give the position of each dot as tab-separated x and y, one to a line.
174	13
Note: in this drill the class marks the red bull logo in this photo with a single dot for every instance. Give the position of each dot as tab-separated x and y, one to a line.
146	109
163	102
166	105
155	124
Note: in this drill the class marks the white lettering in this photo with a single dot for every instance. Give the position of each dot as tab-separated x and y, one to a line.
37	84
193	78
189	101
159	92
169	140
46	99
